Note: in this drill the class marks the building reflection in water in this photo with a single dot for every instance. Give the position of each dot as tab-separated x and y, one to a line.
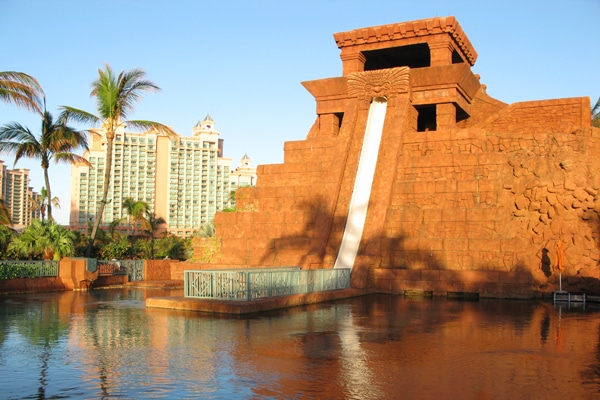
107	344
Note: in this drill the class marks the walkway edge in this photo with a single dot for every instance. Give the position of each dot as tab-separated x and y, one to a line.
252	306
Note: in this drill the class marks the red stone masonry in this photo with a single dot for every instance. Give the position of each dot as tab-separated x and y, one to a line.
470	193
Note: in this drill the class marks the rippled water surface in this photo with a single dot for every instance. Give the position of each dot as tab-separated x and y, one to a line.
106	344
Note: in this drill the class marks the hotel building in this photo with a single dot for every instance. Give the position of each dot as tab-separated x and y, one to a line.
18	196
185	180
244	175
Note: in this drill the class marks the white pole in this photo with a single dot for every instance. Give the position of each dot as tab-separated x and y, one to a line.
560	281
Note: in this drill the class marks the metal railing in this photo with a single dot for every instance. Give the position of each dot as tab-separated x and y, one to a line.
134	269
28	269
252	284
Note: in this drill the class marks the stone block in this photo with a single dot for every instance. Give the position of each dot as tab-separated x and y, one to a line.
383	285
444	186
516	277
469	276
432	215
397	286
589	272
407	274
492	245
455	244
454	214
513	245
480	214
521	203
411	214
470	186
430	275
423	187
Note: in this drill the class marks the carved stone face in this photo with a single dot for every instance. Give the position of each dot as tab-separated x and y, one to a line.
380	83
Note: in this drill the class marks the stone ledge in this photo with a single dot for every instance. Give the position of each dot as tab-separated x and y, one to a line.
252	306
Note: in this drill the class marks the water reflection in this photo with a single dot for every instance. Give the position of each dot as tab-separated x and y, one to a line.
106	344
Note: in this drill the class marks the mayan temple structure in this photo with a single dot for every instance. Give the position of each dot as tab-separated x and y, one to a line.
417	179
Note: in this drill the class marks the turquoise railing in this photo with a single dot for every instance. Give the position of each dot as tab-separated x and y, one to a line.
252	284
133	268
28	269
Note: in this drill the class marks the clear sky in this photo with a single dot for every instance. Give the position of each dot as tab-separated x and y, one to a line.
242	61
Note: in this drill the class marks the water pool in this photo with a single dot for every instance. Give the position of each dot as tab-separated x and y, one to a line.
106	344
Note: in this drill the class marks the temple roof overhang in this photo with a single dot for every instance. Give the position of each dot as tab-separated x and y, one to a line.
435	32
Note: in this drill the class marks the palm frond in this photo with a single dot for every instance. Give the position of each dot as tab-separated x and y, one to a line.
22	90
13	134
596	114
153	126
4	214
133	87
71	158
71	114
18	140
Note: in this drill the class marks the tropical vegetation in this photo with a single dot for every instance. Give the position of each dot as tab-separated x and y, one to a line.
206	229
39	203
152	224
47	240
6	236
21	90
57	142
136	211
43	239
116	96
596	114
5	218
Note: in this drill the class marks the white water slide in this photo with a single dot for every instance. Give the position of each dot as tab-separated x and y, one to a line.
361	193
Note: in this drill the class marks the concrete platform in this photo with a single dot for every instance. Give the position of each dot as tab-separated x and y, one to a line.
252	306
170	284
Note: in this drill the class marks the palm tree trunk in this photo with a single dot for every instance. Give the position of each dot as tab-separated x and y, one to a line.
152	245
107	168
49	194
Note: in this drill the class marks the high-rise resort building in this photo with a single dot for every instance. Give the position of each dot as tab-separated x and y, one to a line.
18	196
185	180
244	175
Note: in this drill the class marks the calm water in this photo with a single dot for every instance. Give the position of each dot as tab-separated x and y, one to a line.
106	344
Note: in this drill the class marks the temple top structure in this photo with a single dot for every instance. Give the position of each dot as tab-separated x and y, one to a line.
423	43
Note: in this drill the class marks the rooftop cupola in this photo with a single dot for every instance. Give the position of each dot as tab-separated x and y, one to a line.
207	125
245	161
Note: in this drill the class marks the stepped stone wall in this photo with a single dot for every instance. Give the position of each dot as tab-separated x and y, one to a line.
475	205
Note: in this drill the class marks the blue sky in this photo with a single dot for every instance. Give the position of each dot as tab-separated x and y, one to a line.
242	61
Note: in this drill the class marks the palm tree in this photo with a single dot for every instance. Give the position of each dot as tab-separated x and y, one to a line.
115	100
112	228
207	229
136	211
45	239
172	247
56	142
596	114
6	236
39	203
4	214
21	89
151	225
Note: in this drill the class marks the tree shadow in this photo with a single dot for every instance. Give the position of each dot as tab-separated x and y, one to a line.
307	241
322	229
